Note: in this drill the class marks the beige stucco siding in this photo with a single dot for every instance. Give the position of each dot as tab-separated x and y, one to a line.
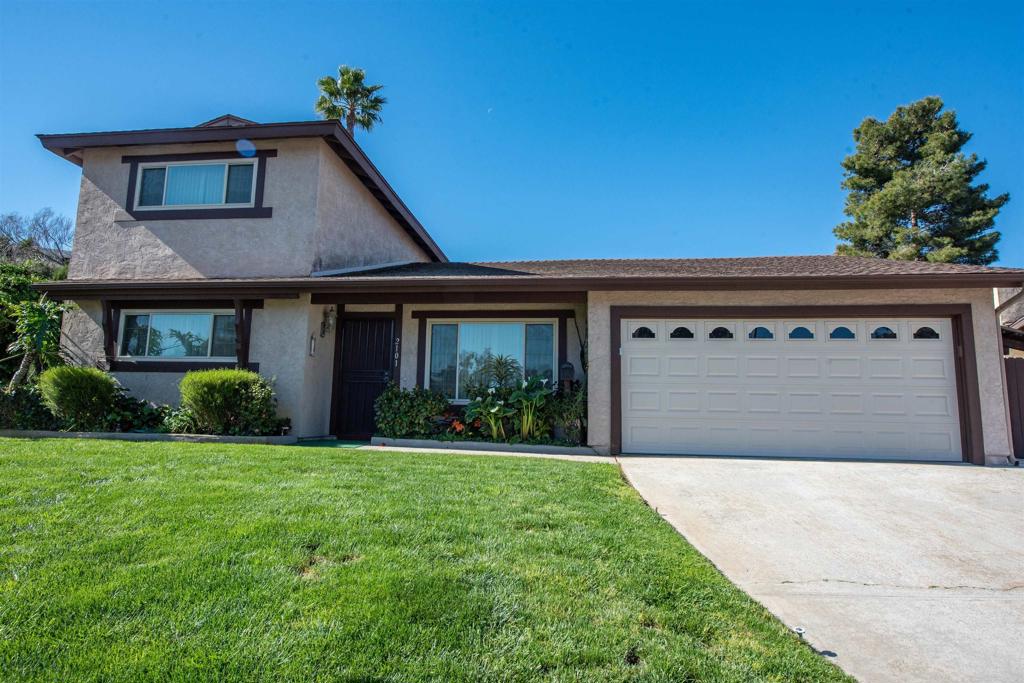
109	244
281	333
986	339
353	229
323	217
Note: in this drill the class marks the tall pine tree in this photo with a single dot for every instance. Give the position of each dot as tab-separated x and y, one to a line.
911	195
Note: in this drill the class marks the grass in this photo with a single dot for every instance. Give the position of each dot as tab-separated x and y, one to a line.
170	561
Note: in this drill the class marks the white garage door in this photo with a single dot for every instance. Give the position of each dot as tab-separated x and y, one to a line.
859	388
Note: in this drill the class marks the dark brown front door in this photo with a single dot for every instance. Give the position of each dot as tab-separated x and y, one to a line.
365	353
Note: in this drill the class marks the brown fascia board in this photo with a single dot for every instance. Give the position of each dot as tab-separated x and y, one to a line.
68	146
285	287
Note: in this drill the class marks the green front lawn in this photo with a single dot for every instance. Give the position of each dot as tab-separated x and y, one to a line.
129	561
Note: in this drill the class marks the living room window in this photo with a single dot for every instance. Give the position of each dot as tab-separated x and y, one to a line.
189	184
461	354
156	335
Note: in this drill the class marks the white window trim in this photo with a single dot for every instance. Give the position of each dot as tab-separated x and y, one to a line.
254	162
458	340
172	311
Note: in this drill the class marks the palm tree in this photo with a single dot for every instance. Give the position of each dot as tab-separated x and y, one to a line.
348	97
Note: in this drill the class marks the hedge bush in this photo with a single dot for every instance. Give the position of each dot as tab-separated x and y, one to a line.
230	401
80	397
23	408
408	413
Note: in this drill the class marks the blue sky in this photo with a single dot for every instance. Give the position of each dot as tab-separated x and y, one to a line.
530	131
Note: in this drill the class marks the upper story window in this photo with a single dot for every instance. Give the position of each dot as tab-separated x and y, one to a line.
190	185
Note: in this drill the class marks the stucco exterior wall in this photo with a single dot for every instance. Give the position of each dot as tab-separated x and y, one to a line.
109	244
281	333
353	229
322	217
986	339
410	331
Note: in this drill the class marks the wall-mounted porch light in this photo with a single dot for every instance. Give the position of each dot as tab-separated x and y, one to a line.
330	319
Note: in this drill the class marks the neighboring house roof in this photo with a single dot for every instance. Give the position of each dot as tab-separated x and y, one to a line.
776	272
231	128
1013	337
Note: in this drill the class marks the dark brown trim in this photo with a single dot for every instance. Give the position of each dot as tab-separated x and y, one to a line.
243	329
203	304
374	287
69	146
396	347
521	313
109	322
965	360
421	354
563	345
196	156
123	365
467	297
257	210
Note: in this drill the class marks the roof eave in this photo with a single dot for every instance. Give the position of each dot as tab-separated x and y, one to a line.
69	145
71	289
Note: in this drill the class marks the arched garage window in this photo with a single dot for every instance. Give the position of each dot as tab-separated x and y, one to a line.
801	332
842	332
926	332
643	332
682	332
720	333
760	332
883	332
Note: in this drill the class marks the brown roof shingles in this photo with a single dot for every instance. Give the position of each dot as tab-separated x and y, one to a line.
824	266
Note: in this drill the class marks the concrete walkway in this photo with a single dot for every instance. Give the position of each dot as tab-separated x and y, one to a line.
514	454
902	572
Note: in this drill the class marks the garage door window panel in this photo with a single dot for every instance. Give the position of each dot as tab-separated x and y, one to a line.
759	331
927	332
801	331
681	331
885	332
643	331
842	331
720	331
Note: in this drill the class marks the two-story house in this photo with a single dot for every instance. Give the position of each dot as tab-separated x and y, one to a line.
282	248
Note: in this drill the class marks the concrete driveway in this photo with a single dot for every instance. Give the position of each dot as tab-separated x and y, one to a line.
901	572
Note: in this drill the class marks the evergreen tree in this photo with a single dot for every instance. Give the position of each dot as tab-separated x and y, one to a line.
911	195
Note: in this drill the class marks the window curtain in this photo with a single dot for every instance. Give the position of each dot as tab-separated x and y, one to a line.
197	184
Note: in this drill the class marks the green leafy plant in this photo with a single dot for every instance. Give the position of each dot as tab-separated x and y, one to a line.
567	412
179	421
232	402
528	401
36	336
492	411
409	413
127	414
23	408
81	397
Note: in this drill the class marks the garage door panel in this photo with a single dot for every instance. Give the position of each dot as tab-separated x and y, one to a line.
682	366
860	397
803	366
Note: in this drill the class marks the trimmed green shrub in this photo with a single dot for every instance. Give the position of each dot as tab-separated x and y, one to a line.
231	401
23	408
409	413
80	397
129	414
